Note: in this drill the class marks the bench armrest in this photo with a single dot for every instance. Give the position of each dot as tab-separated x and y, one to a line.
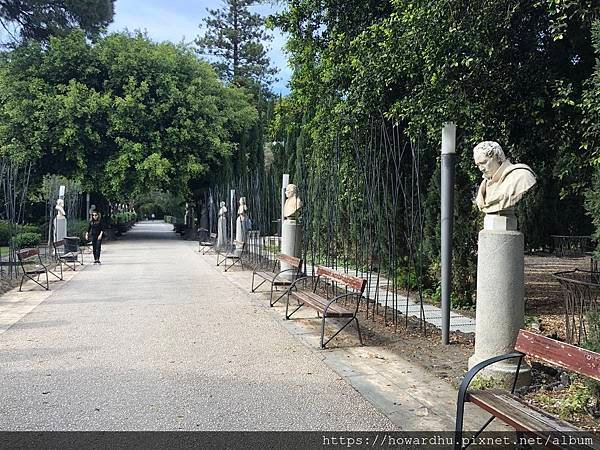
335	299
462	391
296	281
284	271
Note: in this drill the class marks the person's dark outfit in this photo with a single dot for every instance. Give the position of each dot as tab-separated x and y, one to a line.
94	231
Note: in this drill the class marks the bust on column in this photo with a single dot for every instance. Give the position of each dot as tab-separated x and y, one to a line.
222	226
291	230
500	308
60	221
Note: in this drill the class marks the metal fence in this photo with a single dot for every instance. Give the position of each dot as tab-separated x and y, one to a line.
581	292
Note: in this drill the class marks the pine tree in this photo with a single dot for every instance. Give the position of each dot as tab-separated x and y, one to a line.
235	36
40	19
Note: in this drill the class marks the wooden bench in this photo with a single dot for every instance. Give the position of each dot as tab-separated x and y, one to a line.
206	241
233	253
276	276
70	259
33	266
512	410
327	306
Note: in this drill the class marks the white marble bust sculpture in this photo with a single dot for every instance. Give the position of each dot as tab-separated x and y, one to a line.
242	209
504	183
223	209
60	210
291	207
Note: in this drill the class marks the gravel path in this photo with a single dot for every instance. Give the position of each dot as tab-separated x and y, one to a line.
157	339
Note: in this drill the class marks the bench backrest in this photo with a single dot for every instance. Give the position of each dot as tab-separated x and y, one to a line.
60	243
356	283
291	260
27	253
567	356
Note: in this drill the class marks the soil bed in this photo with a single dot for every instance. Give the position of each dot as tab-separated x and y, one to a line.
544	306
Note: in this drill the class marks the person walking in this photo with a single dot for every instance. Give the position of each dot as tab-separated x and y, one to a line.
95	230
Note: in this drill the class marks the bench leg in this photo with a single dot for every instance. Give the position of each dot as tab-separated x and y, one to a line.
21	285
271	302
323	332
287	304
254	288
458	430
323	344
358	329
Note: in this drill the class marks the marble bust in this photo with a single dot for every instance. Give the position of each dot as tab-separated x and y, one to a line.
292	205
60	208
504	183
242	209
223	209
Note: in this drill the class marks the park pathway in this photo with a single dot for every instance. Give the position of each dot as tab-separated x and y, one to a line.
157	339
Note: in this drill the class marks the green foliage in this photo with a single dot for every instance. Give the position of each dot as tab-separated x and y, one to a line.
124	218
235	36
573	401
77	227
28	229
122	114
591	108
5	232
592	203
508	71
27	240
482	382
35	19
161	204
592	343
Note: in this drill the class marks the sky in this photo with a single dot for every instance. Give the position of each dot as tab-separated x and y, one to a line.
180	20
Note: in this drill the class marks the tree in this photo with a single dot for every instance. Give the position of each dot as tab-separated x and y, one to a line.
507	70
38	20
236	36
591	109
124	115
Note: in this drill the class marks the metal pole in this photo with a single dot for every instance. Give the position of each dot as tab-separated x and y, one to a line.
447	200
284	182
232	214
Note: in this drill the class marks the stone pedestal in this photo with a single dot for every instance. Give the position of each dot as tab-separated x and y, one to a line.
291	242
60	228
500	308
222	232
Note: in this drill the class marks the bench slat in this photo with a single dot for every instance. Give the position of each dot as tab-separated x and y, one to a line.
319	303
559	354
524	417
344	278
270	276
291	260
27	253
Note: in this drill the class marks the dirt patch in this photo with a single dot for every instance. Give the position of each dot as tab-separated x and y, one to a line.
544	305
6	284
544	302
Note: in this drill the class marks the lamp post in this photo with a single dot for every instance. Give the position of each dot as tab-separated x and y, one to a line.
447	206
284	182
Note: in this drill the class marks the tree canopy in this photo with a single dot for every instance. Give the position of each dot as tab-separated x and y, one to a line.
124	114
507	70
40	19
